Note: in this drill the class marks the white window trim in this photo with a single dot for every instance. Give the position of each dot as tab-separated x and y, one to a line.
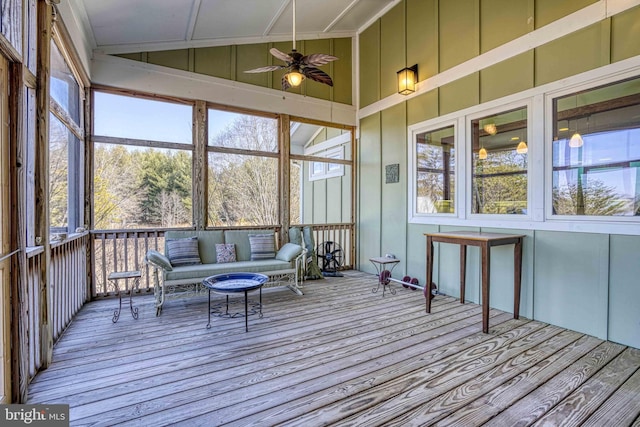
548	161
532	147
414	215
540	102
327	170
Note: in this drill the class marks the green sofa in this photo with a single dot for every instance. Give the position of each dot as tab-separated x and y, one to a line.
186	280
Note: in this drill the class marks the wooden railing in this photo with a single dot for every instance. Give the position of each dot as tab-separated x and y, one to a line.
68	280
67	293
124	250
30	325
341	235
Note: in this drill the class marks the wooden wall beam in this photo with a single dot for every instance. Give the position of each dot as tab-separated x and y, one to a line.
284	176
42	171
18	185
88	185
200	165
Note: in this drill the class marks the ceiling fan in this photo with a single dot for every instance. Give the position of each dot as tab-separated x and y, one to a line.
298	65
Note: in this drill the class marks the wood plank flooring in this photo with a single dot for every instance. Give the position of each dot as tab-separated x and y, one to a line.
339	355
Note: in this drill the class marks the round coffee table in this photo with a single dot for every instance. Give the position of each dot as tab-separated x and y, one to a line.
235	283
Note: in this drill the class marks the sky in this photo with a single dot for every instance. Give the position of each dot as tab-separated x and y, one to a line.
136	118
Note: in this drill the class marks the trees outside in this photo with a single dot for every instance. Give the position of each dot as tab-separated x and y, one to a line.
500	183
243	188
58	173
141	188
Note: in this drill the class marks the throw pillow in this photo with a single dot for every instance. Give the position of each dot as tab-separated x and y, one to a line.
225	252
158	259
288	252
183	251
262	246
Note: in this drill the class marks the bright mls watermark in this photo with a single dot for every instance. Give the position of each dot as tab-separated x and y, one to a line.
34	415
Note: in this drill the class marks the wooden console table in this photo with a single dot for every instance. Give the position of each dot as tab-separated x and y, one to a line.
484	241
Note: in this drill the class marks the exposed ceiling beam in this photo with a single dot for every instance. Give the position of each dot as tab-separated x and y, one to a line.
193	17
276	16
339	17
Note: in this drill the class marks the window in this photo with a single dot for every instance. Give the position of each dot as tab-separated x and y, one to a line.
142	162
596	152
323	169
321	173
243	169
499	163
435	171
65	146
142	119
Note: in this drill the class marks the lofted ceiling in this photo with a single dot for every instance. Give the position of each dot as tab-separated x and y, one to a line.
124	26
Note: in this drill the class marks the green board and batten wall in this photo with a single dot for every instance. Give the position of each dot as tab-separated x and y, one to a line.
584	281
230	62
587	282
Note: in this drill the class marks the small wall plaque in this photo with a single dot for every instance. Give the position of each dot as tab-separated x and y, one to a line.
393	173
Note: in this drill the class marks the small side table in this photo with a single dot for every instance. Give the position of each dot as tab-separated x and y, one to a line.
113	278
380	264
235	283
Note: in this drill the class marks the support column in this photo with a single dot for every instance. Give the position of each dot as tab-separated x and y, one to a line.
45	16
200	166
284	177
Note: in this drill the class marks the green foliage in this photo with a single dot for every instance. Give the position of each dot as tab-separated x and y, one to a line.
243	188
500	183
141	188
593	199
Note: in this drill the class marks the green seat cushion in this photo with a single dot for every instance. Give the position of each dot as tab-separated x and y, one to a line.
202	271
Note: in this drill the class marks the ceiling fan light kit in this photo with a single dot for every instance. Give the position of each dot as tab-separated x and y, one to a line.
298	66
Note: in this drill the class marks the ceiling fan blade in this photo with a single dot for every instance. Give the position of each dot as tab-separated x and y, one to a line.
281	55
317	75
285	83
265	69
317	59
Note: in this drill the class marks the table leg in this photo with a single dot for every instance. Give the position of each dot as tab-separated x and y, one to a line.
209	322
116	313
260	302
486	263
427	293
463	271
246	313
517	280
134	310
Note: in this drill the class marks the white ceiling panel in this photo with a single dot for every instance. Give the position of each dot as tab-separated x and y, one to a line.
230	19
138	21
312	16
121	26
360	14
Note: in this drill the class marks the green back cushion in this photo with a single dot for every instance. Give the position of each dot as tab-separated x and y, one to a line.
207	240
241	239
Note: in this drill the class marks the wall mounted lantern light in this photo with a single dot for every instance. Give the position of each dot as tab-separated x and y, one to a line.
407	79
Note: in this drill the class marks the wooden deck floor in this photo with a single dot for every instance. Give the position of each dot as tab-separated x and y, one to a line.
340	355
